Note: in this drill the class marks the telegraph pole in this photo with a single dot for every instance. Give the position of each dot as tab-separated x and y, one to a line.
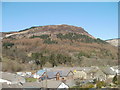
46	78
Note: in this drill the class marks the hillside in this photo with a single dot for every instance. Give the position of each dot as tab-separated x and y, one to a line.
49	29
55	45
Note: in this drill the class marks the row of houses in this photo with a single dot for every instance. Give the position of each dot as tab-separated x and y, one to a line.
83	73
72	73
56	75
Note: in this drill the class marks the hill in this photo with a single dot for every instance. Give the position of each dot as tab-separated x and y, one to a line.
49	29
55	45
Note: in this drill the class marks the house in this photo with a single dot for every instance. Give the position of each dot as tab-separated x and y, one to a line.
35	76
68	74
13	78
54	75
11	86
50	75
24	74
116	69
91	72
5	81
38	74
21	73
100	75
58	75
29	73
109	72
80	74
41	74
63	85
96	74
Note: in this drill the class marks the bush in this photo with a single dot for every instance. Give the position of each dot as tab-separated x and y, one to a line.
44	36
90	86
49	41
115	79
30	79
79	37
77	82
11	66
8	44
10	37
100	84
81	53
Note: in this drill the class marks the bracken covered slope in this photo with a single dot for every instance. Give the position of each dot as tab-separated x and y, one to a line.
49	29
55	45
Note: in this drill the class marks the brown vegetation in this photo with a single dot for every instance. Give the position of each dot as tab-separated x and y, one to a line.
19	50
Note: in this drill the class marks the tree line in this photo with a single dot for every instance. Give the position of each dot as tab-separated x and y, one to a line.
46	38
54	59
79	37
69	36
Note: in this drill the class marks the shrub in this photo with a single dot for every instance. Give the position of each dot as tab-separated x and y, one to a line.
10	37
100	84
79	37
44	36
30	79
12	66
8	44
49	41
114	79
90	86
81	53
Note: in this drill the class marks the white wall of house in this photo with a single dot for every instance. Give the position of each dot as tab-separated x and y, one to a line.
5	81
24	73
80	74
110	76
36	76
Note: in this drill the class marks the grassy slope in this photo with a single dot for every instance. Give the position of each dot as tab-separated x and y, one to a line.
100	54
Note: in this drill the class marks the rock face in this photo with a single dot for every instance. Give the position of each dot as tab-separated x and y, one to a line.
114	42
49	29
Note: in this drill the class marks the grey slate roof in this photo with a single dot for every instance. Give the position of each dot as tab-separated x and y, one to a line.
52	74
108	71
65	73
14	78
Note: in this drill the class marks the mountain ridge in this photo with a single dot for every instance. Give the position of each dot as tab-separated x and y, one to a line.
54	29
